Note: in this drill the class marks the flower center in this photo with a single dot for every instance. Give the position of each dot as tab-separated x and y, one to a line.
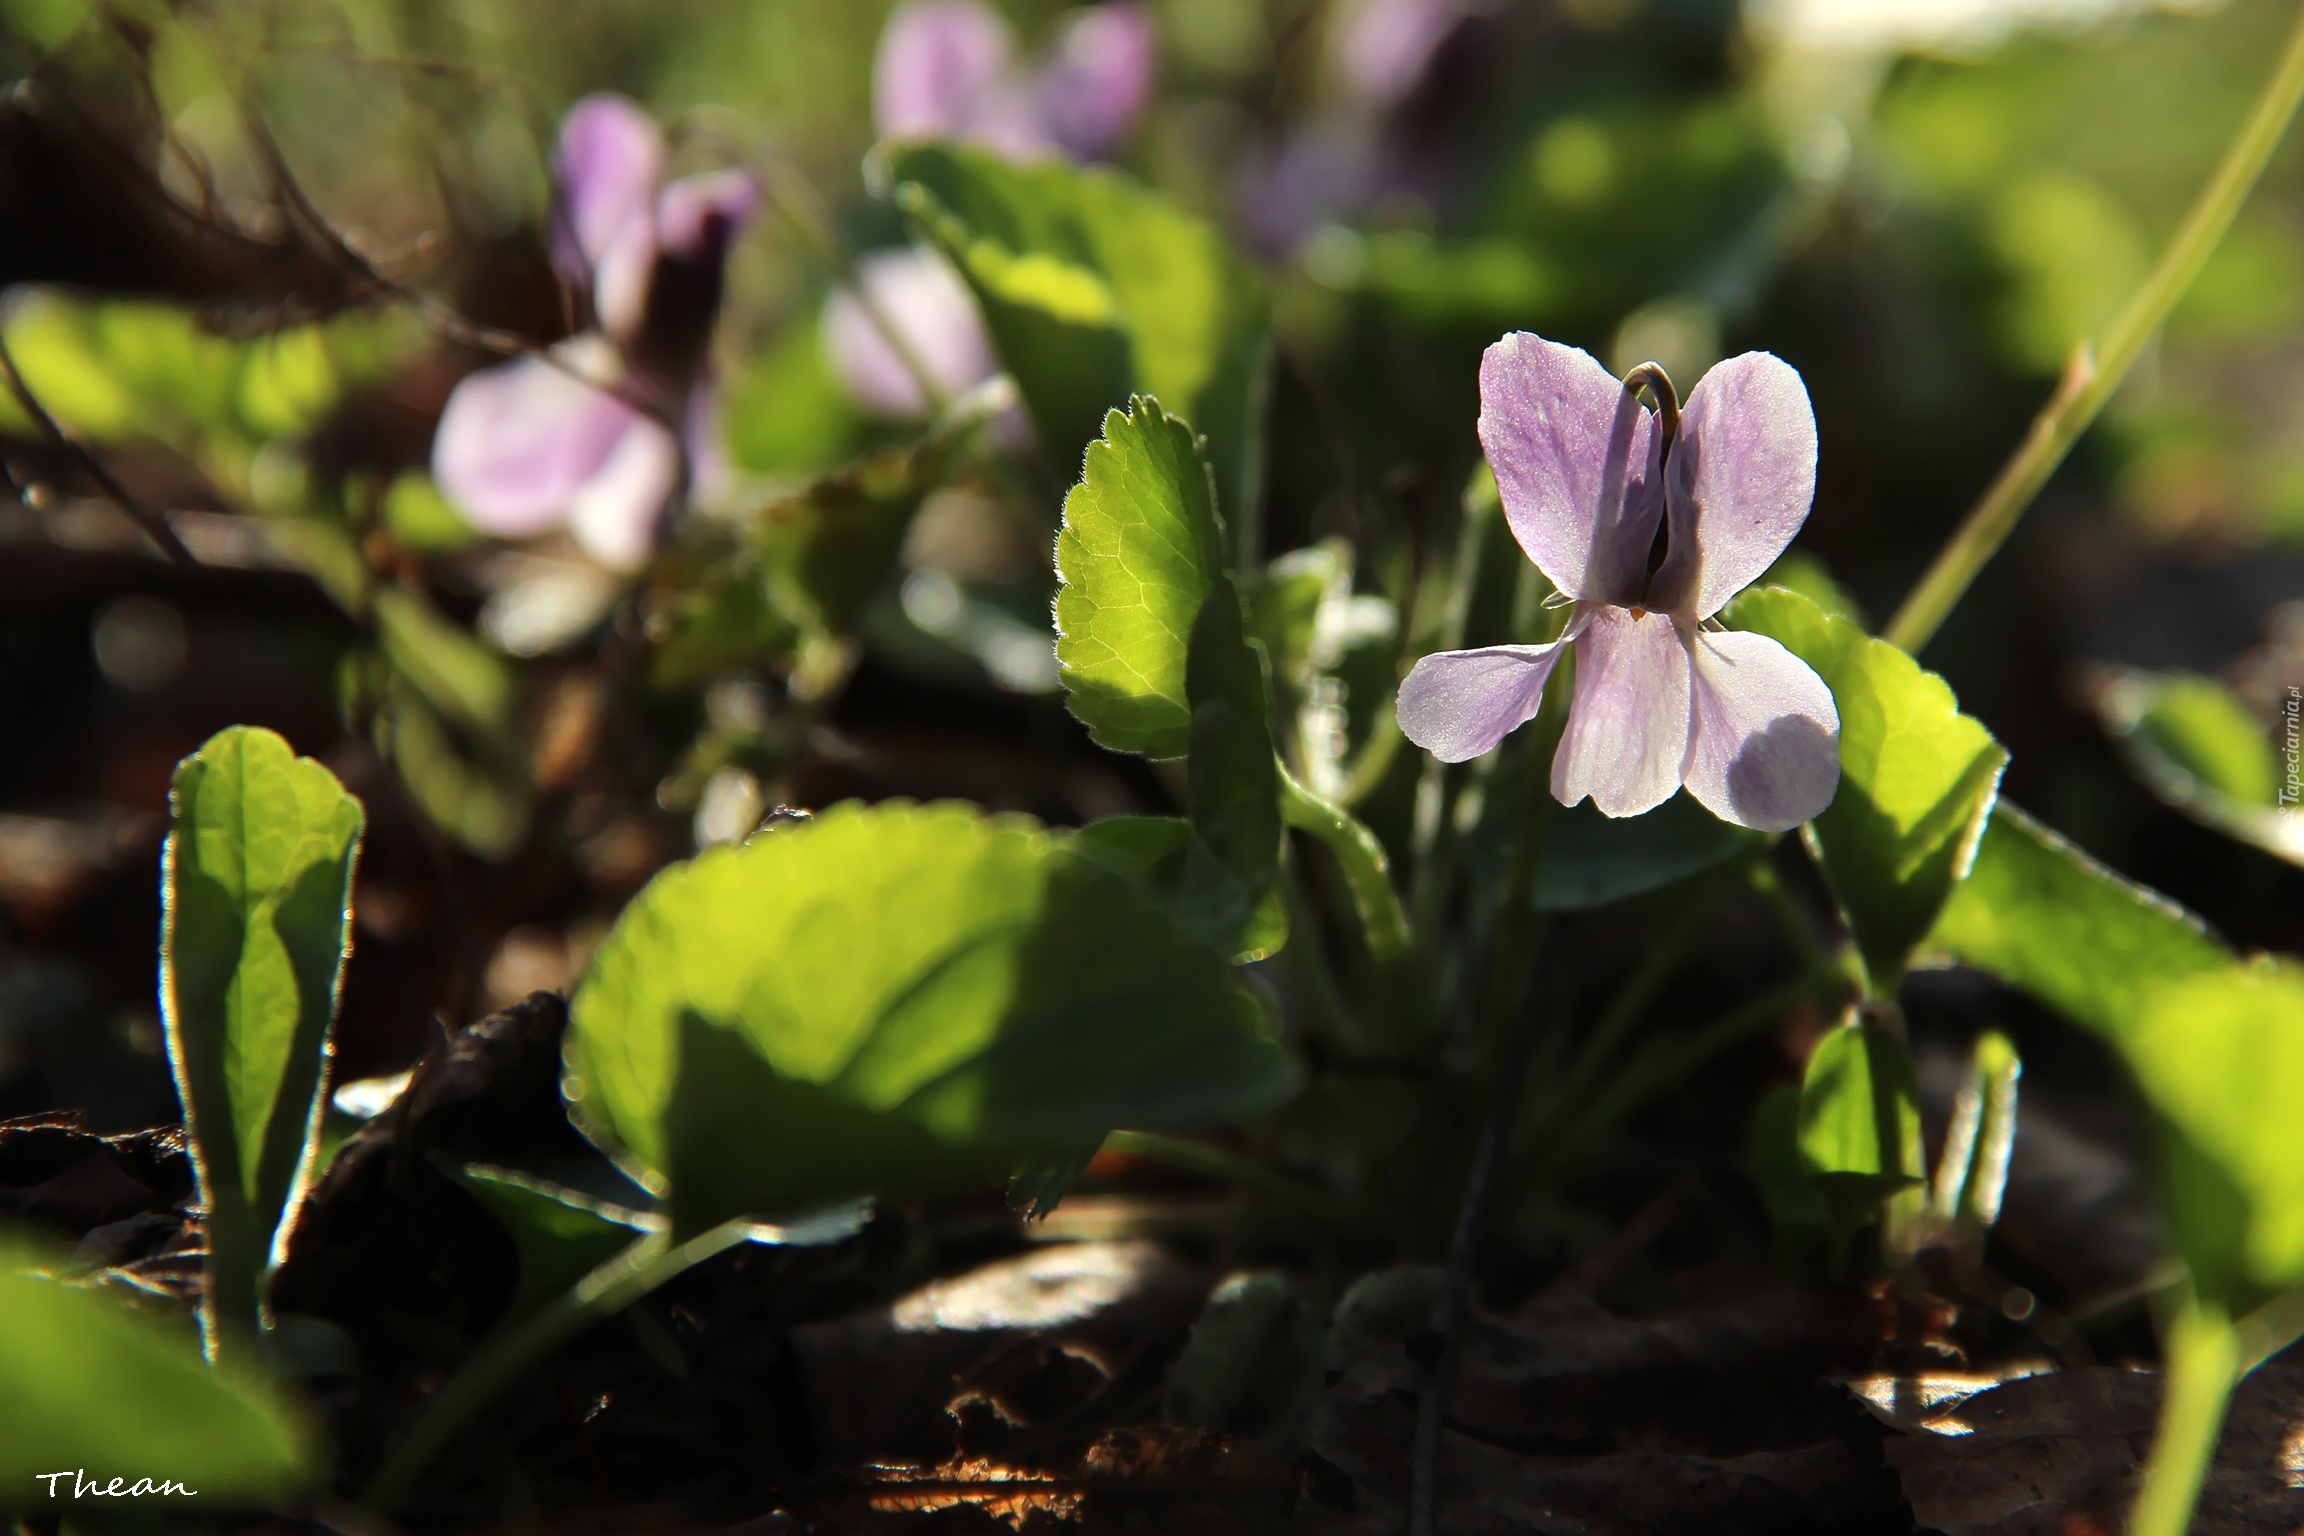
1658	383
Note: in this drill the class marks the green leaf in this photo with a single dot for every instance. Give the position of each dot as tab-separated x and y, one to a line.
1161	853
898	999
1917	778
2220	1058
1234	775
1096	288
1973	1171
1860	1120
1773	1161
255	929
1139	553
88	1382
827	548
2196	746
1591	859
2047	919
560	1235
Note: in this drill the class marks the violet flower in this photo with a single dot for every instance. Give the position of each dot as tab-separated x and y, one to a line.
1663	698
581	438
946	70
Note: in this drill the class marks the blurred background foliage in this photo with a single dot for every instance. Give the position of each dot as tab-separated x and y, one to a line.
1924	205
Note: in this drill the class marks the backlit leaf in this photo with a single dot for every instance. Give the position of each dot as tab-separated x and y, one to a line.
2047	919
2220	1058
1860	1117
1917	778
1096	288
255	929
89	1384
1138	555
898	999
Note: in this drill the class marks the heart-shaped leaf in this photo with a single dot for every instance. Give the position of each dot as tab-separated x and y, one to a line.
1140	551
1917	778
898	999
1095	288
94	1388
255	930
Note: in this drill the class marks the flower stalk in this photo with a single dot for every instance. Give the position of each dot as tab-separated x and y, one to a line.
2094	372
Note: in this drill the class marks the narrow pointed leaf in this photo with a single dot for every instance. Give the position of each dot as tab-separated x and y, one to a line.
1917	778
255	930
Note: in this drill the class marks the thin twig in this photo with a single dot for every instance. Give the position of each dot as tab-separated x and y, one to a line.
154	524
2094	373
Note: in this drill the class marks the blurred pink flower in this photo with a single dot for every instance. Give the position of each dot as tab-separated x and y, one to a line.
580	438
1661	700
947	70
916	293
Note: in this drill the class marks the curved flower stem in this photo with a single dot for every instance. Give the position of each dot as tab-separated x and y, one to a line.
2094	373
1213	1162
615	1285
2202	1351
1367	867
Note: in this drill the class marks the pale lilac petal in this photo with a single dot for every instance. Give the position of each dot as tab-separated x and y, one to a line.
919	295
620	278
1098	79
1383	47
1627	735
614	515
937	61
1739	484
606	166
1457	705
1575	456
517	441
1764	734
